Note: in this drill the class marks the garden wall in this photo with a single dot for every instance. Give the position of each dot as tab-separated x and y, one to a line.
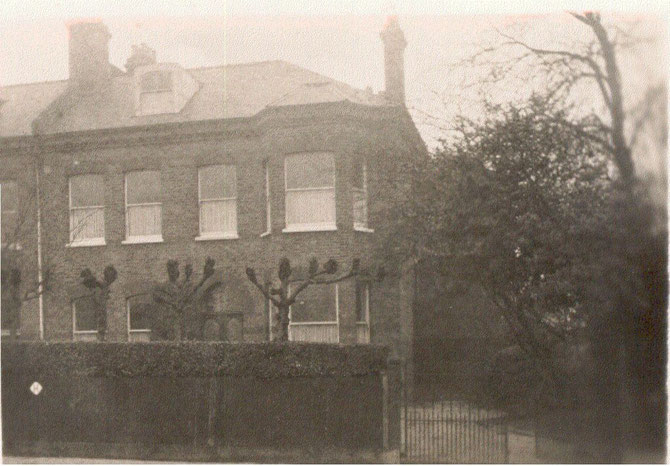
200	401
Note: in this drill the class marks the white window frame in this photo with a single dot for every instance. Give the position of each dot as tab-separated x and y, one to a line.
359	226
136	331
268	202
218	234
300	227
81	334
336	322
145	238
100	241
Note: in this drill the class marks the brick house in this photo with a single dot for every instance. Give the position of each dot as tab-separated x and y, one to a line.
245	163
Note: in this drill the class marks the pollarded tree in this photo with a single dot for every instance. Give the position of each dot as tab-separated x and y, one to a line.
282	297
178	297
100	289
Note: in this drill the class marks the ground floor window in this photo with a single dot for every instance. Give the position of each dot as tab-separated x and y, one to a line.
139	310
84	318
315	315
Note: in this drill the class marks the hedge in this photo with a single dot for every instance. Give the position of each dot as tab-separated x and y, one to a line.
181	359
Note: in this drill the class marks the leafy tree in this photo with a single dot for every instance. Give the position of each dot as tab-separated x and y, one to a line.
518	205
101	289
177	299
282	298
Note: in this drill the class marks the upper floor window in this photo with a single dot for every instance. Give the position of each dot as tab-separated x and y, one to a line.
143	207
217	194
9	201
87	210
359	190
310	192
266	194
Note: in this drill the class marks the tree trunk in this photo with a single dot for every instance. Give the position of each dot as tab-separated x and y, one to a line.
283	323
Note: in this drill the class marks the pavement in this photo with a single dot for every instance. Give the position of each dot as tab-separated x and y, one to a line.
58	460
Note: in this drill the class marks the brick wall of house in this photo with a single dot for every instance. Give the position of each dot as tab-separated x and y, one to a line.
20	166
382	136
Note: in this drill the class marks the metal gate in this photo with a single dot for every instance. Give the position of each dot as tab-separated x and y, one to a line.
445	430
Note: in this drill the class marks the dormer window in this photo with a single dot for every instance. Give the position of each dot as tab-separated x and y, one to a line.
156	94
162	88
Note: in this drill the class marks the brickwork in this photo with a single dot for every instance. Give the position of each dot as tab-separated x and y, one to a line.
380	135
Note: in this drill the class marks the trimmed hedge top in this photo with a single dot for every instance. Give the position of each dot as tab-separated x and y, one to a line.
181	359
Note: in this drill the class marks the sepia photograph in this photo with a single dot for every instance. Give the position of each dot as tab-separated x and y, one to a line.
374	231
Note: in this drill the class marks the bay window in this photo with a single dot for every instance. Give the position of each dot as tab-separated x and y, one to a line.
314	317
310	192
143	207
217	195
87	210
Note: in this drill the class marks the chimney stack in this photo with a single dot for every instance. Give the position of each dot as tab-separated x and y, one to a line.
88	53
394	64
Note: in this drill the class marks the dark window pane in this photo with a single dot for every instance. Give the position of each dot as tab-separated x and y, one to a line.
218	182
85	314
141	309
310	171
143	187
360	312
87	190
316	303
156	81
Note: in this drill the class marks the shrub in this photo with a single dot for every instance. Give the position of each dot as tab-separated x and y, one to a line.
179	359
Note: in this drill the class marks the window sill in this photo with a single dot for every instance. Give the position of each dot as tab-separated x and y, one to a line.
363	229
310	227
143	239
8	333
264	234
86	243
217	237
12	246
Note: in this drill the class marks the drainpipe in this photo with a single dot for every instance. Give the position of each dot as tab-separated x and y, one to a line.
40	297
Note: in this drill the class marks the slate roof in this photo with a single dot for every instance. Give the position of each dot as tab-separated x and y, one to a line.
231	91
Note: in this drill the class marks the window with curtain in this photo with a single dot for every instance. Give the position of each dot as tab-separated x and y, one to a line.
143	206
359	190
10	209
87	210
218	201
310	191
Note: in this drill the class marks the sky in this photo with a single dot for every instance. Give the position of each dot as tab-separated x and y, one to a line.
339	39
